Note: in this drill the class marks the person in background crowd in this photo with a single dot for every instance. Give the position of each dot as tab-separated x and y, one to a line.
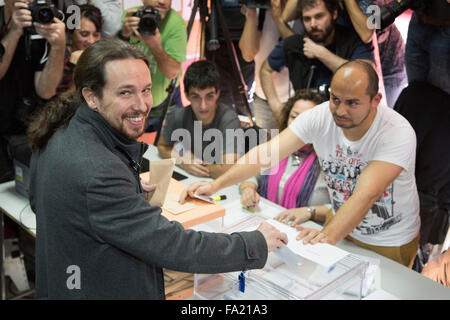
311	58
202	88
30	71
80	39
111	13
366	152
262	31
427	55
297	183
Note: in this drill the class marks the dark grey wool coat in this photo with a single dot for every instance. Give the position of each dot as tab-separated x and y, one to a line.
92	217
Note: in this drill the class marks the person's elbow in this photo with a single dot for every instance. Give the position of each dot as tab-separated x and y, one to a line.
172	73
266	70
46	94
367	36
248	54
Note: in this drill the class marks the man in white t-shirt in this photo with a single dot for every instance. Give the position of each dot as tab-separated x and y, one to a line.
367	152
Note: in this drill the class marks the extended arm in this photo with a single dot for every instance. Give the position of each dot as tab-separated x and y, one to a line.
168	65
359	21
277	11
290	11
262	157
216	170
250	37
9	42
269	88
19	17
47	80
371	184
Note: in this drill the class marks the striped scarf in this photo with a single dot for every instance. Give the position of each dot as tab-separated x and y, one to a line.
298	187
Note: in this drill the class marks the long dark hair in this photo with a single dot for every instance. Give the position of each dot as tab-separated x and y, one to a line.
301	94
89	73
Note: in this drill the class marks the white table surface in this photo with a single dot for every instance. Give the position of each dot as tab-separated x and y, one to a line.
394	277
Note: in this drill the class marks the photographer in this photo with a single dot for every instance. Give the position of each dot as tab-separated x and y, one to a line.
427	55
30	71
111	13
166	49
311	58
262	31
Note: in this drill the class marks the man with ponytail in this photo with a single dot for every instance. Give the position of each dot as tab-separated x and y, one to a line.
97	236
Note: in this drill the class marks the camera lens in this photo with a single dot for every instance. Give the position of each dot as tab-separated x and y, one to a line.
45	15
148	25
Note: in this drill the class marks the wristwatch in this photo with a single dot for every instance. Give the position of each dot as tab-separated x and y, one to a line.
312	211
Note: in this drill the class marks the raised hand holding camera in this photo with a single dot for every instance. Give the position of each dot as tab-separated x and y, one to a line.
21	18
55	33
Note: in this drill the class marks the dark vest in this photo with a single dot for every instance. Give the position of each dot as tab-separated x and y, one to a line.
346	41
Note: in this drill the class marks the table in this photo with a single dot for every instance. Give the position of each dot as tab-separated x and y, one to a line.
16	207
395	278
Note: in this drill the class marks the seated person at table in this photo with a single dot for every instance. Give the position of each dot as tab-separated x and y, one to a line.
367	153
81	38
196	124
297	182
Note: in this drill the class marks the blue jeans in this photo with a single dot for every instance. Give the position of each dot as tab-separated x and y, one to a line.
427	55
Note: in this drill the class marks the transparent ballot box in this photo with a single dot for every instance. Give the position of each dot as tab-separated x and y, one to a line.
284	279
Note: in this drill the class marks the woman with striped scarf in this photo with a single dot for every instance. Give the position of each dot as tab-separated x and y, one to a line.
295	183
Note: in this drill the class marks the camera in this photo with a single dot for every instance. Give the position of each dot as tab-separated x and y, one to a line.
324	91
42	12
263	4
435	9
150	19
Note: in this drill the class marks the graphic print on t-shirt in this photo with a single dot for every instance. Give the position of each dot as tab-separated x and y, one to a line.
341	170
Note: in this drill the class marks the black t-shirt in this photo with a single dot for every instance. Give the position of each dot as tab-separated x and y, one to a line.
17	86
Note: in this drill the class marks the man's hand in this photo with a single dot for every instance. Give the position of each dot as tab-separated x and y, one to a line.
311	235
149	189
199	188
295	216
55	33
275	9
311	49
192	164
249	197
21	18
130	24
152	41
274	238
250	11
196	169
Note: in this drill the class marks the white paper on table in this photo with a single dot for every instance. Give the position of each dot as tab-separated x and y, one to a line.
172	205
234	211
321	253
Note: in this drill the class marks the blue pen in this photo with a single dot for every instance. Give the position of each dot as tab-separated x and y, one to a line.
241	278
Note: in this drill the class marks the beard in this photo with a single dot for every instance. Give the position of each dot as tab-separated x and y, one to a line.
320	35
351	124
